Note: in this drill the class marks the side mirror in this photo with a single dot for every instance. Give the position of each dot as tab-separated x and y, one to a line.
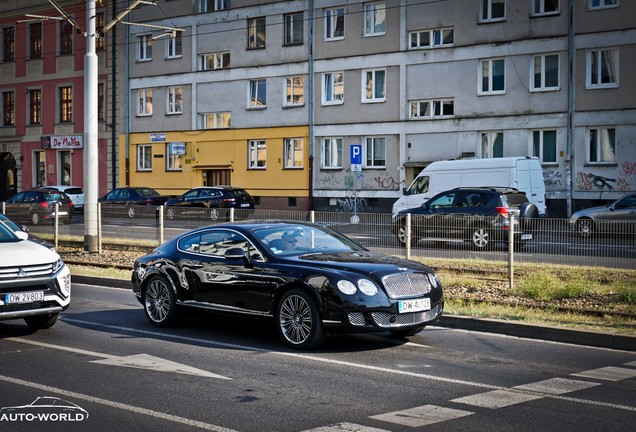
235	253
22	235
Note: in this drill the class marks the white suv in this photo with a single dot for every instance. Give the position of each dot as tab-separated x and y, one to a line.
35	284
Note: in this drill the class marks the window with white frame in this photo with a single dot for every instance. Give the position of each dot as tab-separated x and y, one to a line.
432	108
144	47
492	76
213	61
374	19
174	47
144	102
545	7
294	152
544	145
602	145
601	4
374	86
174	99
492	144
213	5
545	72
334	24
257	154
294	91
258	94
293	28
332	88
331	153
602	68
375	152
493	10
174	154
256	36
215	120
144	157
434	38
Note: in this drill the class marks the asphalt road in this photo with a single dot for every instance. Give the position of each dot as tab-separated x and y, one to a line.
219	373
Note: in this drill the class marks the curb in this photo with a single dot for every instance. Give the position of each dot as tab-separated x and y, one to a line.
509	328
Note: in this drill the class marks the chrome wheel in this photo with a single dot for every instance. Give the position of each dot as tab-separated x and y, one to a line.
214	214
159	302
585	227
480	238
298	321
35	218
131	212
170	213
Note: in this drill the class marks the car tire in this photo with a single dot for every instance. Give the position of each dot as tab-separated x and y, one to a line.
171	213
298	320
480	238
131	212
41	322
159	302
407	332
401	236
585	227
35	218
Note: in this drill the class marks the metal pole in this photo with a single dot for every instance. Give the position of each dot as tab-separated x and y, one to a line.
57	224
511	252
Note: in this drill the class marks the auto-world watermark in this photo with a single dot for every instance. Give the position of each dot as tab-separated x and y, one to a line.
44	409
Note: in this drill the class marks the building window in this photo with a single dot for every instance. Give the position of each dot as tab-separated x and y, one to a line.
258	94
215	120
144	157
545	72
331	154
544	145
144	47
602	4
602	68
8	108
257	154
144	102
492	145
8	44
334	24
174	47
602	145
374	86
333	88
545	7
174	99
435	38
294	152
66	38
35	107
294	91
99	27
174	154
294	33
35	40
39	169
213	5
101	102
66	104
493	10
375	152
214	61
492	76
256	33
64	167
374	19
430	109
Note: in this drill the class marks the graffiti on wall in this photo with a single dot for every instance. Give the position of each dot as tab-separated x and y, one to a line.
351	203
387	182
589	182
552	178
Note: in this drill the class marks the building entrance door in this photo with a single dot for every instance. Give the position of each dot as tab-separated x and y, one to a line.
217	177
8	176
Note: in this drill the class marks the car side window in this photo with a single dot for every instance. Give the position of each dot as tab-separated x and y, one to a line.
444	201
216	243
626	203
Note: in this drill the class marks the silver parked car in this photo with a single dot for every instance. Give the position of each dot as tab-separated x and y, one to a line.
618	217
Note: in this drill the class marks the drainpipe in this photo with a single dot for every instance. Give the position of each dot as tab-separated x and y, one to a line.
127	100
310	103
571	68
113	116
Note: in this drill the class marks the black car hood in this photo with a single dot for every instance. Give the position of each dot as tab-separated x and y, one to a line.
361	262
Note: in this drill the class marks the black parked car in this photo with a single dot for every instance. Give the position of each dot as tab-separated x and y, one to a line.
35	206
309	279
479	215
123	200
212	198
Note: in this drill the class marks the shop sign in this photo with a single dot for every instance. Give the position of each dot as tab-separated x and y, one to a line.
178	148
56	142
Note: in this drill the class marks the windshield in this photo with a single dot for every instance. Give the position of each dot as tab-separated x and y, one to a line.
290	239
7	236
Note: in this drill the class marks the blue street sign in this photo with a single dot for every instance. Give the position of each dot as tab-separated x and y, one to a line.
356	157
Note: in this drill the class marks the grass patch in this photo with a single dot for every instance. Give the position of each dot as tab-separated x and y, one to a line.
109	272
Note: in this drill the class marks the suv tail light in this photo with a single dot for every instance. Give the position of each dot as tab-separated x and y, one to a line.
503	211
229	200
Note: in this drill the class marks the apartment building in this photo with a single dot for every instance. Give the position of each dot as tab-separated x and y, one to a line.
42	89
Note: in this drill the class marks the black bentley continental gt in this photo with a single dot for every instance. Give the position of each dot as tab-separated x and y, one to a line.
310	279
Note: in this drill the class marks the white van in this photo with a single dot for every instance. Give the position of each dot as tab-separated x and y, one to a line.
523	173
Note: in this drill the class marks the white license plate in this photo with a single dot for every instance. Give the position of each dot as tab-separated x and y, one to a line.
245	205
26	297
405	306
526	236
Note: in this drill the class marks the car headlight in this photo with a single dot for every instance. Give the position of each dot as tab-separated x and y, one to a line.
432	278
367	287
346	287
58	265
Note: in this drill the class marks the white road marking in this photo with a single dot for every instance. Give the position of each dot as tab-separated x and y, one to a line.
609	373
557	386
496	399
422	416
139	361
118	405
345	427
631	363
413	344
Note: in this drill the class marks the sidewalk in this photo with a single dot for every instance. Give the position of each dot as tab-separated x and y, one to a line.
510	328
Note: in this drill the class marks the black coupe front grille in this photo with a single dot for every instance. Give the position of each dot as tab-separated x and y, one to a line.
404	285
